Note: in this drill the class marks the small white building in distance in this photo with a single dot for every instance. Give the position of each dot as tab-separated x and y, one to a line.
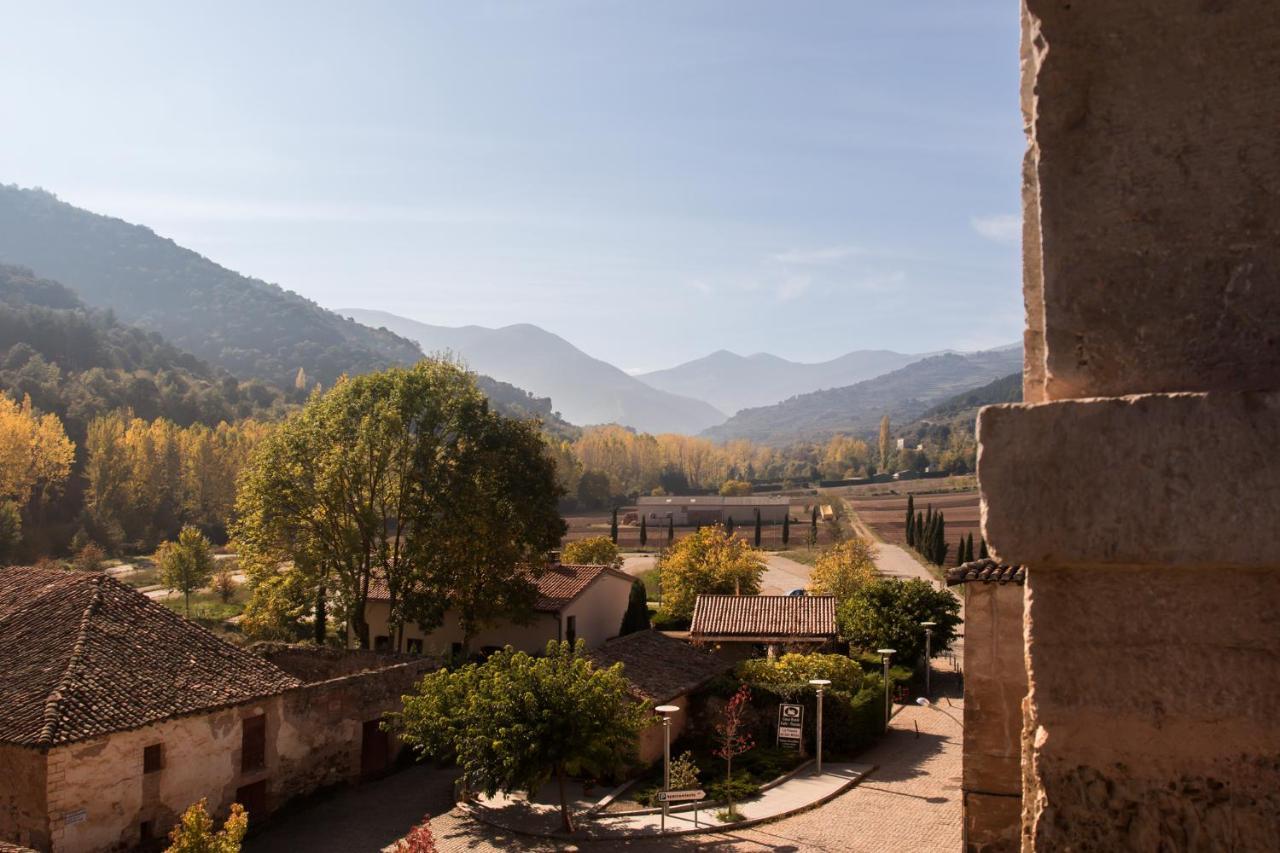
712	509
574	602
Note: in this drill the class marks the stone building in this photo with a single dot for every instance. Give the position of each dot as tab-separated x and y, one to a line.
663	671
116	714
1139	482
995	683
574	602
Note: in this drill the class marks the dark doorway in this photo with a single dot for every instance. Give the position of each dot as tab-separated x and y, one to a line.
375	750
254	799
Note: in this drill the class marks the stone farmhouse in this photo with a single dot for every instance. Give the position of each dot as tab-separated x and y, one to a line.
736	624
574	602
995	683
663	671
116	714
712	509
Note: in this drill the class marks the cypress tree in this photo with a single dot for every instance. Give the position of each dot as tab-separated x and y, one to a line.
920	532
968	548
940	547
960	553
813	525
911	520
644	533
982	549
636	618
728	528
786	529
758	530
671	529
613	526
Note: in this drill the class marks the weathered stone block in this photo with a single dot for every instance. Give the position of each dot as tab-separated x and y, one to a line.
1152	196
1170	479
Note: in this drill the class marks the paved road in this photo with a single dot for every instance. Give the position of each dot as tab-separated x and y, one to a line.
895	562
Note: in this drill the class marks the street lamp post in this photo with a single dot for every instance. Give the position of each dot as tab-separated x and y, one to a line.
885	654
928	655
821	684
666	711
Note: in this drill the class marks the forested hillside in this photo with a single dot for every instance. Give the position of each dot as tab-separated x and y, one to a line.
903	395
79	363
249	327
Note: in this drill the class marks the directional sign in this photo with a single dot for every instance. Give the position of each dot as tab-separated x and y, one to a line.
790	724
680	796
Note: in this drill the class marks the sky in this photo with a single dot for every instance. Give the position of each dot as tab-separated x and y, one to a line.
652	180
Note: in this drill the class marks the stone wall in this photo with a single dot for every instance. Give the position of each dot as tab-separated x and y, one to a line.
1151	268
23	810
995	683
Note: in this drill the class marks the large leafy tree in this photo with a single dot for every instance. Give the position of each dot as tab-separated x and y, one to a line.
405	475
592	551
708	561
186	565
888	612
844	568
516	721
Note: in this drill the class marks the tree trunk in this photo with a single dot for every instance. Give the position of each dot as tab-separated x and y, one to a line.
728	782
321	618
565	815
187	595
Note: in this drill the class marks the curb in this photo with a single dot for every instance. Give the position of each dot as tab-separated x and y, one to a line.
704	805
479	814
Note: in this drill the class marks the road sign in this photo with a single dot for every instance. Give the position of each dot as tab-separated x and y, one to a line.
790	724
680	796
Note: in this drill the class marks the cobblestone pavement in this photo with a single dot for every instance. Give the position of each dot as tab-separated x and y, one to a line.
910	803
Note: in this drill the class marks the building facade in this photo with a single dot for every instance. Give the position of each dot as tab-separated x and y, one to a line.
712	509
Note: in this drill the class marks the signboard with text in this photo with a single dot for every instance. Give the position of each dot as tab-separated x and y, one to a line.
681	796
790	725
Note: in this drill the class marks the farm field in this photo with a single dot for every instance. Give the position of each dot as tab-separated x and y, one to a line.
887	514
584	525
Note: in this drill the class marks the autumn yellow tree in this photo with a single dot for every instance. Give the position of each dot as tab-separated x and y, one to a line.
35	453
709	561
844	568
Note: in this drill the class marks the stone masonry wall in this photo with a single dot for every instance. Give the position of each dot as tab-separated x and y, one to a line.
1139	481
995	683
23	810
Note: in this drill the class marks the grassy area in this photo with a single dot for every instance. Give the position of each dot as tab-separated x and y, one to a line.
650	579
207	607
142	577
801	555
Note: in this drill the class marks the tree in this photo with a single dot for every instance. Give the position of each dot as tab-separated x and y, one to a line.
885	449
644	532
733	737
593	489
613	526
195	834
735	489
786	529
187	564
637	616
888	612
89	557
758	530
982	549
911	521
592	551
516	721
709	561
419	840
223	583
10	530
684	772
844	568
300	380
35	453
671	529
408	476
728	526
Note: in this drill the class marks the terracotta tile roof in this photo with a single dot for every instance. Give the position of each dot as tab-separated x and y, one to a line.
986	570
782	616
83	655
558	585
659	667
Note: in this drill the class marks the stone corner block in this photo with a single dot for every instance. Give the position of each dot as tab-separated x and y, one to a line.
1185	479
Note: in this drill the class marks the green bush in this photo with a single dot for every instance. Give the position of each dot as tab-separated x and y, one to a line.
740	788
790	673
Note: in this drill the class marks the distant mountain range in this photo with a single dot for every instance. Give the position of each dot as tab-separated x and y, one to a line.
732	382
960	412
585	390
903	394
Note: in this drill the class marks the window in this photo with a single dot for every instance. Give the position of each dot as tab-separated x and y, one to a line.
413	647
153	758
253	798
382	644
146	831
455	651
571	629
253	743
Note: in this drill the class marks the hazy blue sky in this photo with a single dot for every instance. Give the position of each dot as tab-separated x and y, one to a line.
651	180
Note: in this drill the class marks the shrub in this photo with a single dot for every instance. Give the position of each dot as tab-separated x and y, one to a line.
740	788
889	612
